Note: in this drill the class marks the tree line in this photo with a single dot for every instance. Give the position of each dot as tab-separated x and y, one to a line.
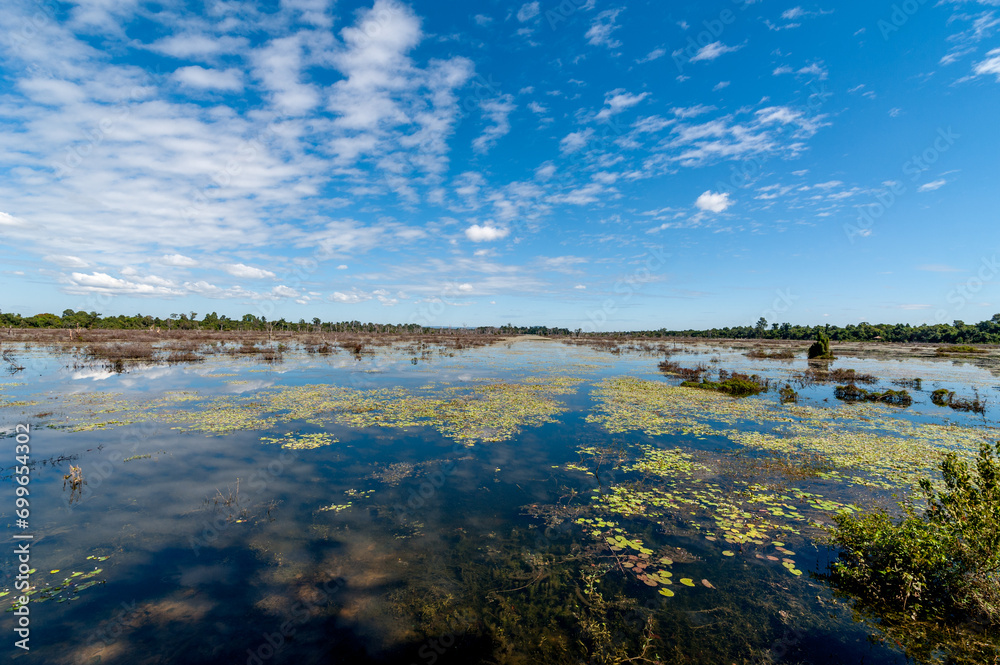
957	332
248	322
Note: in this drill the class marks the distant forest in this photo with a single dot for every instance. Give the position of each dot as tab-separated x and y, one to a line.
957	332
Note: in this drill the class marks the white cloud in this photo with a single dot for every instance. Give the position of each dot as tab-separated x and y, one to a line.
989	66
486	232
498	111
601	29
66	261
931	186
352	298
581	287
575	140
100	282
209	79
10	220
692	111
617	101
178	260
528	11
655	54
279	67
712	51
793	13
248	272
713	202
197	45
720	85
285	292
342	267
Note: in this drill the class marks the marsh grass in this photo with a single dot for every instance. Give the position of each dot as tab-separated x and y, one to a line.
761	353
944	397
851	393
688	373
960	349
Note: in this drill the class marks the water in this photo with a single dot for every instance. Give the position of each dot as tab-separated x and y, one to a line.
484	530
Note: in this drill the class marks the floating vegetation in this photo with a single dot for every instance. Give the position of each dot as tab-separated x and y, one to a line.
336	508
865	445
485	411
62	590
788	394
300	441
851	393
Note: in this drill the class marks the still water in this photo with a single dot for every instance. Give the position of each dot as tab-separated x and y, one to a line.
528	502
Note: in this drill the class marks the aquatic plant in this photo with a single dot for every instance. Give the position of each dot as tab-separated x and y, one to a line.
788	394
675	369
761	353
962	349
945	397
735	384
851	393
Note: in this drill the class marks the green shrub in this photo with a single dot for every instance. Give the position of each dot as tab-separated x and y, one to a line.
735	384
943	564
820	349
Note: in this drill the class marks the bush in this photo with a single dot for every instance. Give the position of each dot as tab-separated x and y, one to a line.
735	384
820	350
943	564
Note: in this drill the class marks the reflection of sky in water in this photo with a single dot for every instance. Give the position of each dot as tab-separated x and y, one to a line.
196	587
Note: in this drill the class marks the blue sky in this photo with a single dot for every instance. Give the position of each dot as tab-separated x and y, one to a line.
591	164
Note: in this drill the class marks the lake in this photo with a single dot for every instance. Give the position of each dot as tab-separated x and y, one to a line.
532	501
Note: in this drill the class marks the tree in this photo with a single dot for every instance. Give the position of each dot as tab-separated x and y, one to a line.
761	327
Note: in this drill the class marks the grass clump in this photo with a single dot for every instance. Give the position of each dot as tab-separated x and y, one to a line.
844	375
735	384
851	393
960	348
945	397
916	384
675	369
943	564
788	394
760	353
